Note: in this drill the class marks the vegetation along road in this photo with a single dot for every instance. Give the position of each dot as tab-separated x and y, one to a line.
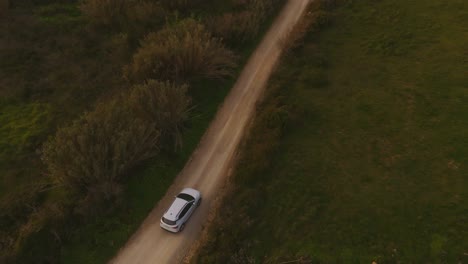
210	163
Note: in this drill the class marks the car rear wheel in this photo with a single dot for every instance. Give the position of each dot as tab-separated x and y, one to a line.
181	227
199	202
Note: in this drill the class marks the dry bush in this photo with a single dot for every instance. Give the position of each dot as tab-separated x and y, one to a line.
99	148
91	156
181	52
166	105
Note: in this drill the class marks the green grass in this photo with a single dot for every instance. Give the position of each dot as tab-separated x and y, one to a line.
22	126
64	15
373	164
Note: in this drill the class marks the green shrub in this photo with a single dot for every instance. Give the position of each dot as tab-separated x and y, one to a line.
23	127
181	52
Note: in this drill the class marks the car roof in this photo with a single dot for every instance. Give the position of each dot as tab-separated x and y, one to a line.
176	207
192	192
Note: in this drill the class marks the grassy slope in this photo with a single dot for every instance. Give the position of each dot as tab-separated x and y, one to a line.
375	168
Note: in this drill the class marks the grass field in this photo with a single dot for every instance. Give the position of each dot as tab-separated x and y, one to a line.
372	164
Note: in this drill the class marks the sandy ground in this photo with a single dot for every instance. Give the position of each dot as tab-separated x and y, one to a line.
209	164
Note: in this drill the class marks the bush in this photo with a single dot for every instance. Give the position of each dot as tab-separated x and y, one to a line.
89	159
99	148
181	52
164	104
91	156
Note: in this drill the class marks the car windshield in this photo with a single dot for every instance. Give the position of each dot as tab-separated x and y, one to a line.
169	222
186	197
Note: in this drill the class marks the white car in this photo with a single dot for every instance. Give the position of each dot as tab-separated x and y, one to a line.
181	209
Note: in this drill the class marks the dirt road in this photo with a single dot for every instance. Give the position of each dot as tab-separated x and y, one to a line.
207	168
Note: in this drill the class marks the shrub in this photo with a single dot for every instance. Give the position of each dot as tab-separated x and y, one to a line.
99	148
181	52
164	104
